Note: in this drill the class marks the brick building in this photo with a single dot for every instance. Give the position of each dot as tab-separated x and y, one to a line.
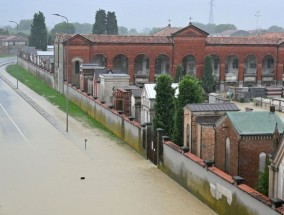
243	142
199	122
239	61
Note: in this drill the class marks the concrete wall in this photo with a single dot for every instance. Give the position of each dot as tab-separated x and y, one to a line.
46	77
212	186
129	131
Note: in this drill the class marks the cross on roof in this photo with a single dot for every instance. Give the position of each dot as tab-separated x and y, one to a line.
190	18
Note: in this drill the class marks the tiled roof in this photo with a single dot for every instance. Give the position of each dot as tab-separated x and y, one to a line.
126	39
256	40
210	107
167	31
207	120
256	123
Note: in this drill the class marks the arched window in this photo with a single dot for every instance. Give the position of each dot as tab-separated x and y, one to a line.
227	155
77	67
262	161
187	134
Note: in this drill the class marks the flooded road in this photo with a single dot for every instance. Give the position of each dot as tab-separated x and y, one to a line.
45	171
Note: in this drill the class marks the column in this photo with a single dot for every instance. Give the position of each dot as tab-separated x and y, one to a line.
258	74
222	77
241	75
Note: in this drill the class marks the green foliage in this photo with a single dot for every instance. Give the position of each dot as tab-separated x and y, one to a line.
99	26
63	27
111	24
133	32
4	32
82	28
224	27
208	78
275	28
25	25
190	91
164	106
122	30
53	96
38	37
263	184
179	73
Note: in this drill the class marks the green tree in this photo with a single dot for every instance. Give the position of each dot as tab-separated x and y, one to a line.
263	183
4	32
133	32
38	37
63	27
179	73
99	26
208	78
83	28
224	27
275	28
111	24
164	106
122	30
190	91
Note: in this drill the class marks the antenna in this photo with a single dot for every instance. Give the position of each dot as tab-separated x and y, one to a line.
257	17
211	15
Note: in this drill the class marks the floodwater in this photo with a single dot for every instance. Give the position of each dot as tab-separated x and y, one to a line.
46	171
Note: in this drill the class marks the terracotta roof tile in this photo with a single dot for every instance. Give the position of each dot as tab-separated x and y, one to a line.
194	158
281	210
264	199
222	174
126	39
167	31
255	40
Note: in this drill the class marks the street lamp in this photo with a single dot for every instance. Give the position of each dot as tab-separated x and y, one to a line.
67	100
17	48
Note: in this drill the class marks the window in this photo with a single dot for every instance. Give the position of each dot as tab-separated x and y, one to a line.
270	62
262	161
227	155
252	65
235	64
77	67
216	64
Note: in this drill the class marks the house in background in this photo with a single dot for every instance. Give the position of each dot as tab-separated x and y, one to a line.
243	142
199	122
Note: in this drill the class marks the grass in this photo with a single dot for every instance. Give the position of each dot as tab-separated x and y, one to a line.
53	96
6	55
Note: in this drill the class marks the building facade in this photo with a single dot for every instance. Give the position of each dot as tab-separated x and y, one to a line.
236	61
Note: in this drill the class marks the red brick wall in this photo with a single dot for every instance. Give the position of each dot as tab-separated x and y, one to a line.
244	153
208	143
249	157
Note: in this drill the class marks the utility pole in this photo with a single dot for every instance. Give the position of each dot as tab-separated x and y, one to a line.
257	17
211	14
17	47
66	63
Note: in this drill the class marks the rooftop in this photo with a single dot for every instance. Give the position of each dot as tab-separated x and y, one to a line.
256	123
211	107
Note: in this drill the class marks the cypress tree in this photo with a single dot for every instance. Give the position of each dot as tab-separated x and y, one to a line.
38	36
190	91
99	26
164	106
111	24
208	78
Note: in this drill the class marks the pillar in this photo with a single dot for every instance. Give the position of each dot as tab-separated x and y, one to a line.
258	74
241	75
222	77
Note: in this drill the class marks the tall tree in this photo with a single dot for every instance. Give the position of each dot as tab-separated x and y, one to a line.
208	78
179	73
164	106
64	27
190	91
111	24
99	26
38	37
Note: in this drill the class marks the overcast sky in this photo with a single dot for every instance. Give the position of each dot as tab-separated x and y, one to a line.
140	14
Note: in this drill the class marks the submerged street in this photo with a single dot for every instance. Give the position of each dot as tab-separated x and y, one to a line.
45	170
